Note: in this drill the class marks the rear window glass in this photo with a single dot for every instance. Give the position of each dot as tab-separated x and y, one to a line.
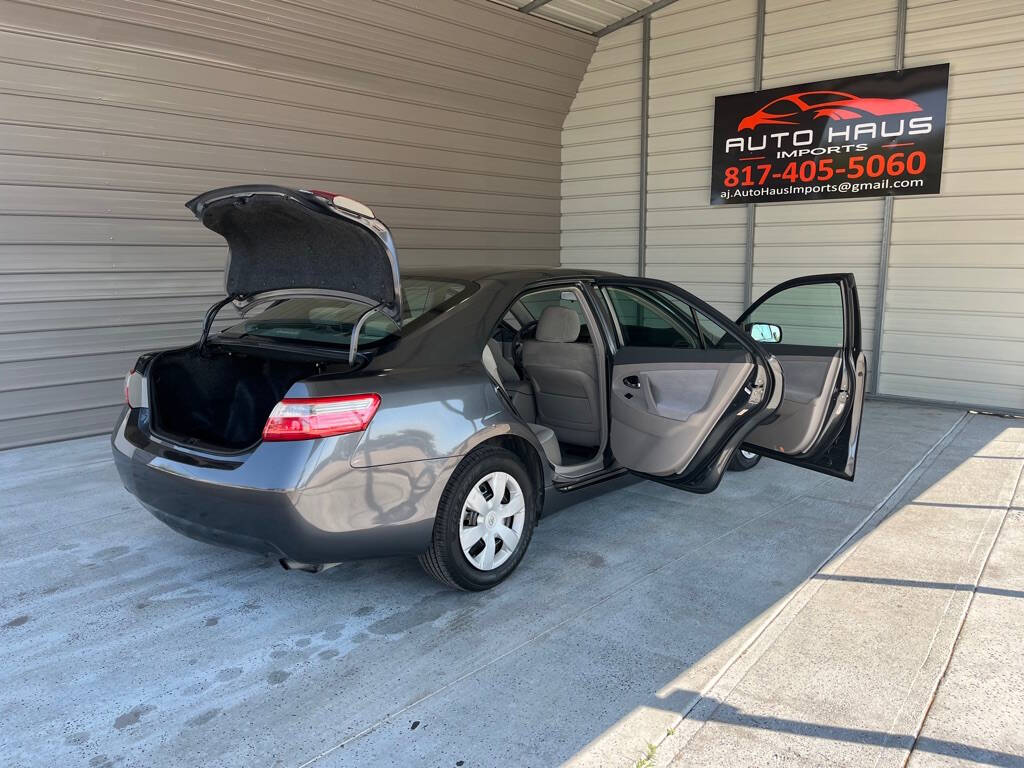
324	320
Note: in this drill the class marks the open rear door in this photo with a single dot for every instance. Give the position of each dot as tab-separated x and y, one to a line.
812	326
687	385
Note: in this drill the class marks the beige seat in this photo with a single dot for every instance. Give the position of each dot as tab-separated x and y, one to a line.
564	377
504	373
501	371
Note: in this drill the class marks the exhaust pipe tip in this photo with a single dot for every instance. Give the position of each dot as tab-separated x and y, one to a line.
295	565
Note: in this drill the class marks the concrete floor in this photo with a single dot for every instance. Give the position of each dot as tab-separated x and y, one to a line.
787	619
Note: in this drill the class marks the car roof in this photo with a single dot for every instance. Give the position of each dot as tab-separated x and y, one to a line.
484	272
457	335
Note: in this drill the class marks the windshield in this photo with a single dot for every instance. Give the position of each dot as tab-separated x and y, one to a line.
325	320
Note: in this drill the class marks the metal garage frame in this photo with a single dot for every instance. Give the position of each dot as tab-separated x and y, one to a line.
532	7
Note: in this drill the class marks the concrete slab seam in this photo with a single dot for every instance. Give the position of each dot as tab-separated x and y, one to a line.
805	591
963	620
371	728
928	660
646	575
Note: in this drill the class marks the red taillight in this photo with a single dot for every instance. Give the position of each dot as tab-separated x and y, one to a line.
309	417
127	388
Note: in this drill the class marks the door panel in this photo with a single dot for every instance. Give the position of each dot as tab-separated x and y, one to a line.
817	322
662	412
686	385
810	380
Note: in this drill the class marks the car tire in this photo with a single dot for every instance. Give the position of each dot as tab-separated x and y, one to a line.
456	557
743	460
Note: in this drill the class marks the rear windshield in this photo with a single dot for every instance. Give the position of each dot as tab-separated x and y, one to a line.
321	320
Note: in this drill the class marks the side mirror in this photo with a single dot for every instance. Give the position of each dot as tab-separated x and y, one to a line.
766	333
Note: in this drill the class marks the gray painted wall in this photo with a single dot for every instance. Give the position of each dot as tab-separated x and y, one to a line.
953	326
445	117
954	319
601	159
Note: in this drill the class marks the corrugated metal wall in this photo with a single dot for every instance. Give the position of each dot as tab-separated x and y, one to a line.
814	42
587	15
954	320
601	159
698	50
445	117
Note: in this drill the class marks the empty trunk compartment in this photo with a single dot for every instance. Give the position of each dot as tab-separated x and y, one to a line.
220	398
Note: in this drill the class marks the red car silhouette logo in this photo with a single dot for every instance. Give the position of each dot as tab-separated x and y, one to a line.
833	105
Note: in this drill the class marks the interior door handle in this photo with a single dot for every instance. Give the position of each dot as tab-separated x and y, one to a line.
633	382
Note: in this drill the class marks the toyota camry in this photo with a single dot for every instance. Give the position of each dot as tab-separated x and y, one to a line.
350	410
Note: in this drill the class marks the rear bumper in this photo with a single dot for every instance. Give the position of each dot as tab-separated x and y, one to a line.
297	500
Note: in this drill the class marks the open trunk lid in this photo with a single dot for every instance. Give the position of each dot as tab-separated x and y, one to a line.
282	239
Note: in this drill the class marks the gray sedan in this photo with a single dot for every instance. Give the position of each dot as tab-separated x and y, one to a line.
350	411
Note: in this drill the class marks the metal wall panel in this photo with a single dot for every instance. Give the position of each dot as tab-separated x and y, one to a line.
601	159
817	41
954	318
444	117
698	50
589	15
954	307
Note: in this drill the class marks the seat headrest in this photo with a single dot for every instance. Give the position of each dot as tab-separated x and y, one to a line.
558	324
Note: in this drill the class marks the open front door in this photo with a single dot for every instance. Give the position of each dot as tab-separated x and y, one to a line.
686	385
812	326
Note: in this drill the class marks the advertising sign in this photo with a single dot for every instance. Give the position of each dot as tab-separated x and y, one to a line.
863	136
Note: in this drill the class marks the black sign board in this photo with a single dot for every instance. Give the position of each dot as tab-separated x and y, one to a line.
861	136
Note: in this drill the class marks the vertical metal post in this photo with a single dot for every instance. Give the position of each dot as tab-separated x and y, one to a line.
901	32
887	206
748	260
645	89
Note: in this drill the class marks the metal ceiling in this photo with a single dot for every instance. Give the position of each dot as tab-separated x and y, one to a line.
596	17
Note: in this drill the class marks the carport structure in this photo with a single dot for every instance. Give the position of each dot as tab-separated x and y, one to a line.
785	616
